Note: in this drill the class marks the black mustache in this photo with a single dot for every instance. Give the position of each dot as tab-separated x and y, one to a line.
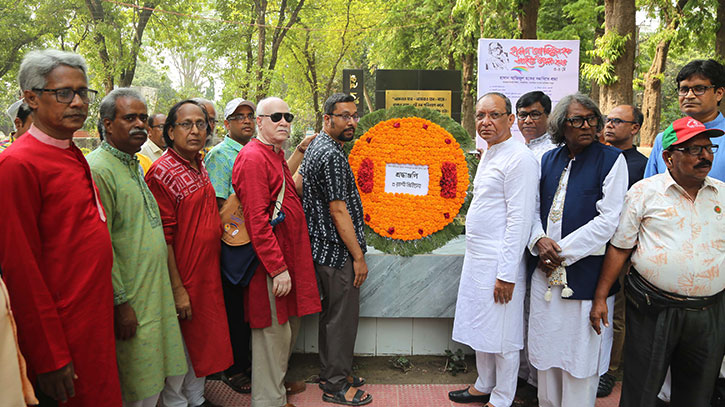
704	163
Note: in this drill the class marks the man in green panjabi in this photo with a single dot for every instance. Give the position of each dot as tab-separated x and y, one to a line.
149	347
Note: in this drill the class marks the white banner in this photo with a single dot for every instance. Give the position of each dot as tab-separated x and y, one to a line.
406	179
515	67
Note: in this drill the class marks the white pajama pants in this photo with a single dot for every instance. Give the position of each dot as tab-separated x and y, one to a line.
557	388
497	376
183	390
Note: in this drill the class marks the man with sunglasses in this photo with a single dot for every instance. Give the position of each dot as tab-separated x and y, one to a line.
700	89
581	191
283	287
55	250
672	227
335	217
154	147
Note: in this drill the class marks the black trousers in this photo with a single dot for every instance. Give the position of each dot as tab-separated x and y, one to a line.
691	342
239	331
338	323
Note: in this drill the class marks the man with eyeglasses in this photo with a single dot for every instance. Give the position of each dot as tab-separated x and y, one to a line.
154	147
192	228
532	114
490	303
581	191
283	287
55	250
622	124
700	89
672	227
149	347
335	218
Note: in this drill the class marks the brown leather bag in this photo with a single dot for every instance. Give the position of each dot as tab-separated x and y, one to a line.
234	233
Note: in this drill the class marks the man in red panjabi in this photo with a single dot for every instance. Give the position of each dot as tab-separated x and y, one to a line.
55	250
189	214
283	287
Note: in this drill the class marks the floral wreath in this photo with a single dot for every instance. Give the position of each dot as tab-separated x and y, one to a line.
425	151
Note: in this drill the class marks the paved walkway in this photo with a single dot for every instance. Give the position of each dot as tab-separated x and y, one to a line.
384	395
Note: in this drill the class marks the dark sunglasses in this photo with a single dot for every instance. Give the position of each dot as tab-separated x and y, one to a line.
275	117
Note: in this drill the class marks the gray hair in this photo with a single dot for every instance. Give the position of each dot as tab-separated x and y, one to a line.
557	119
108	104
502	96
37	65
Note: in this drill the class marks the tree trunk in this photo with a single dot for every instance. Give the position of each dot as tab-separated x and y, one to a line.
651	101
619	17
527	18
598	32
720	34
468	103
96	9
128	72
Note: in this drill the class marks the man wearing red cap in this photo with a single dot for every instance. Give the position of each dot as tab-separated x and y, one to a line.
672	226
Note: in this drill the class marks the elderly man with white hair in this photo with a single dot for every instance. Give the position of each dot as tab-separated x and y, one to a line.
55	249
283	287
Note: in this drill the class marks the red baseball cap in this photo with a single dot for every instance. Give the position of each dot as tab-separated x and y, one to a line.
684	129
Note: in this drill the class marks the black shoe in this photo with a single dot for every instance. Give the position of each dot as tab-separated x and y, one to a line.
606	384
464	396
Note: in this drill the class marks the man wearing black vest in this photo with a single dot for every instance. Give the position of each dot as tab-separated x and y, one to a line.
582	188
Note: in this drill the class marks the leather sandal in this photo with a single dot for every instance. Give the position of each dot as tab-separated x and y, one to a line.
359	399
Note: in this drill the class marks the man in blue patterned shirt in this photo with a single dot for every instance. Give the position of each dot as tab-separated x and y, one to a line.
335	220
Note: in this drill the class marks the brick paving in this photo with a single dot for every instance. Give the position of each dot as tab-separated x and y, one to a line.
384	395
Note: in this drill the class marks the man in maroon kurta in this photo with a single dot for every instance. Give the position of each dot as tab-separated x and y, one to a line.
193	230
55	251
283	287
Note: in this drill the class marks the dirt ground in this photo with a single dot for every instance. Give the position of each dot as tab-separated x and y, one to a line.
380	369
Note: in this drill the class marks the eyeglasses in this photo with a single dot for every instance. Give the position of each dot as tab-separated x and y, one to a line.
697	150
578	121
617	121
241	116
697	90
135	116
212	122
275	117
157	126
534	115
492	115
66	95
346	117
200	125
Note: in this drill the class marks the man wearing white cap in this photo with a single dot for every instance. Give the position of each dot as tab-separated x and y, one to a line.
239	122
19	113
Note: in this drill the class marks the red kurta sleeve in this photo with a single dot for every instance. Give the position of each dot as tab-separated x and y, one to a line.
251	180
167	204
42	337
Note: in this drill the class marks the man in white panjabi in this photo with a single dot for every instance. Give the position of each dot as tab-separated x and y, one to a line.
489	309
582	188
